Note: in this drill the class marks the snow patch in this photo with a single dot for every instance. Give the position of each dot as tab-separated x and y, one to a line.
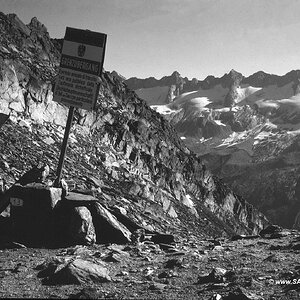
187	201
218	122
200	99
245	91
163	109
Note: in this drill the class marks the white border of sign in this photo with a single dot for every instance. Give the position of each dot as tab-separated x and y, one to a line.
80	67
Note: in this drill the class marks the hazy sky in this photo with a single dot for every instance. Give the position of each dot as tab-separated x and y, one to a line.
195	37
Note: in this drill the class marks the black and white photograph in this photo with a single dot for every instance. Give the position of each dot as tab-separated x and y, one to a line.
150	149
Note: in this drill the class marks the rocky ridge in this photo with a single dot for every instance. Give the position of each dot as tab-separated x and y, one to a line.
174	85
229	80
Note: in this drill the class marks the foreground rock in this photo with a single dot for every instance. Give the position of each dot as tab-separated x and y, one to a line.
217	275
241	269
31	212
108	228
76	271
88	221
81	228
41	215
242	294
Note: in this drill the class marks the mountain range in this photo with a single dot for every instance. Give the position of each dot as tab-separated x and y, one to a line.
246	130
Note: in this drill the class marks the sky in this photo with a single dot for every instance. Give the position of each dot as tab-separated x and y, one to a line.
197	38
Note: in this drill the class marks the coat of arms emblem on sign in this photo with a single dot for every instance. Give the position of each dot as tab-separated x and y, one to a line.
81	50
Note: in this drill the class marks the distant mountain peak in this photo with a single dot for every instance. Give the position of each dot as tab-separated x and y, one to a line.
233	71
36	24
236	77
175	74
14	19
118	75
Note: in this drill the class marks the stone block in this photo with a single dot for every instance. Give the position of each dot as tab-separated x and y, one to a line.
108	228
32	211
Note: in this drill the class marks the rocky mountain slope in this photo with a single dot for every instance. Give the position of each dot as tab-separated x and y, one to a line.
135	155
247	132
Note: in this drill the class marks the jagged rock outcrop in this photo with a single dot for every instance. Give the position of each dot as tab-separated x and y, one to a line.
28	64
233	81
169	87
261	78
258	79
296	86
136	151
174	79
118	75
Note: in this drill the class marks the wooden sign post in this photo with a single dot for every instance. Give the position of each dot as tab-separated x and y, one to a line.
77	84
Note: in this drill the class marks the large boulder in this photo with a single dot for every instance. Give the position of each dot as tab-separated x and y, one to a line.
31	212
84	220
74	271
108	228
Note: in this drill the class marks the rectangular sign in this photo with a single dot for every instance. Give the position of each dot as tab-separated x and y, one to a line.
80	67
